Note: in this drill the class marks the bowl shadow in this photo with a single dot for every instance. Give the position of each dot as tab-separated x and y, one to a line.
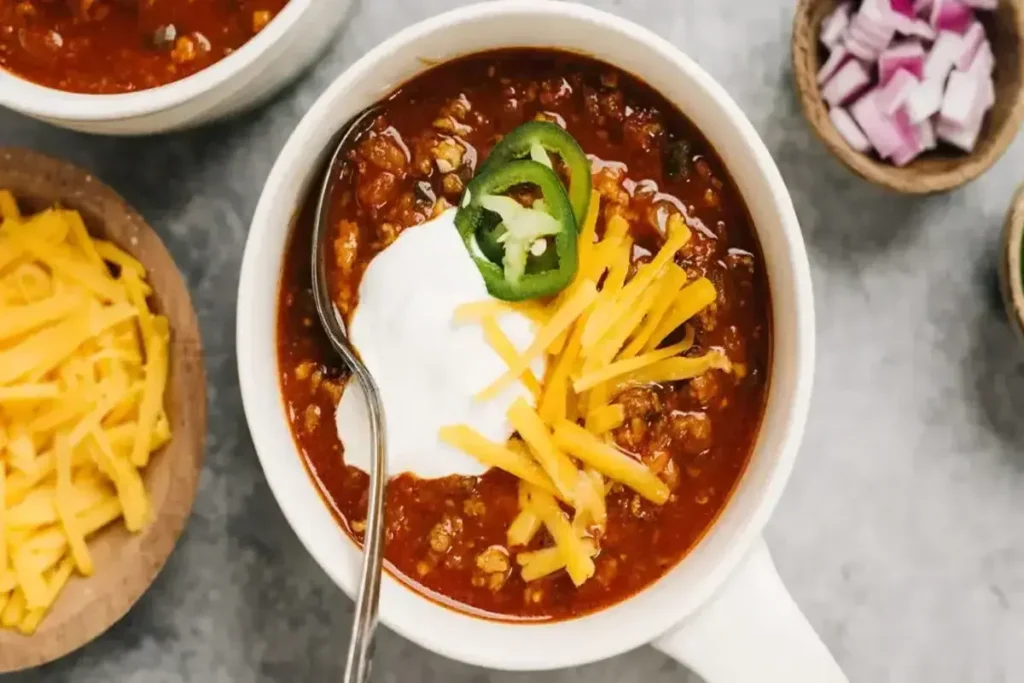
994	367
845	220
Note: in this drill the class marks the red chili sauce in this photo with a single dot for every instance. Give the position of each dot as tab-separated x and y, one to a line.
119	46
648	161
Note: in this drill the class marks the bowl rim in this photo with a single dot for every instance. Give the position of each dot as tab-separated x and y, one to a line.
43	102
1011	274
909	179
566	643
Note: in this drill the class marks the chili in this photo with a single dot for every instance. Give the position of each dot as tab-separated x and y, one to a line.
113	46
444	536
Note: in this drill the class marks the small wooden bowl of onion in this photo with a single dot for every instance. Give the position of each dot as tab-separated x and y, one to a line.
1011	263
922	95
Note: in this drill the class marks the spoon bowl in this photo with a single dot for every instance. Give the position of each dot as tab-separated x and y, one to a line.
357	664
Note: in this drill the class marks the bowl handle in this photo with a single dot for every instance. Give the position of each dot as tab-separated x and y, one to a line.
751	630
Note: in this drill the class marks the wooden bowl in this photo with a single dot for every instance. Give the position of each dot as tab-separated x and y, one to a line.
941	169
126	563
1011	277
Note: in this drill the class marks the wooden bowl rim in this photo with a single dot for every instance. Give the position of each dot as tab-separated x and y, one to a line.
910	179
127	564
1010	275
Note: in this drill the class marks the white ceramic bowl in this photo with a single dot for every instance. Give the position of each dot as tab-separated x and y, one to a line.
765	639
251	74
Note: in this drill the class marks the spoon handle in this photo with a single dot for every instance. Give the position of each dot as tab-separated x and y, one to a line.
364	623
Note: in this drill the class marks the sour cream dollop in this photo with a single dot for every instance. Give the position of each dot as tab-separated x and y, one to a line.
428	367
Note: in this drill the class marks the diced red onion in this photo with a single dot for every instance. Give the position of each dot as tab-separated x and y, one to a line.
880	24
926	133
849	130
972	42
834	27
939	90
908	130
875	36
858	49
836	59
925	100
866	38
874	25
915	28
851	80
908	56
943	55
963	137
951	15
833	35
894	94
964	100
877	12
913	140
880	129
988	91
904	155
960	123
984	62
904	7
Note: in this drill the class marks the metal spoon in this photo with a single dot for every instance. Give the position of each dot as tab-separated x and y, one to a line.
360	650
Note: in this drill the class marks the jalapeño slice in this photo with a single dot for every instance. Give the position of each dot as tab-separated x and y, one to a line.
538	139
537	244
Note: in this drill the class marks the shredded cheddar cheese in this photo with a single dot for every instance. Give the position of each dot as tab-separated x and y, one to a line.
671	282
83	371
610	461
537	564
614	310
578	562
561	320
479	310
526	524
535	433
604	333
605	418
622	367
690	301
504	347
497	455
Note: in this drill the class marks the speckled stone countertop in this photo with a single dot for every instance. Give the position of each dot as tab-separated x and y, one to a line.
900	534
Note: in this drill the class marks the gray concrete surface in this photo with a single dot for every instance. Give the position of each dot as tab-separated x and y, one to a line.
901	534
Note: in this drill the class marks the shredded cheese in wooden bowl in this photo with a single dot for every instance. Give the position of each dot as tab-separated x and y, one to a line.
102	409
601	335
83	366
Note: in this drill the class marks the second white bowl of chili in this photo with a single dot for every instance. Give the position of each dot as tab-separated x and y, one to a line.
140	68
715	603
